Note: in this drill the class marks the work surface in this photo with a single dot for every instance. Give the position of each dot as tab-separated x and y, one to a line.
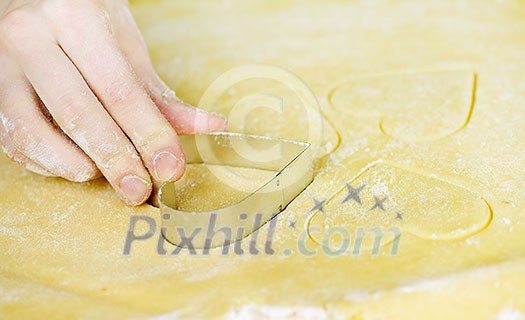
419	128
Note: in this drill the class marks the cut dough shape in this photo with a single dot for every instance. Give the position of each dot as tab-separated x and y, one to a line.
416	106
212	191
411	200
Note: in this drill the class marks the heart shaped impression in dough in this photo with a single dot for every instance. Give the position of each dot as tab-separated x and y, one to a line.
413	106
386	200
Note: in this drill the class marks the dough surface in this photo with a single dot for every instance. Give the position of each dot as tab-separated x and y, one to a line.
203	187
420	103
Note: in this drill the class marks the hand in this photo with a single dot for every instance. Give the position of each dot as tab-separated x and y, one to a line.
79	97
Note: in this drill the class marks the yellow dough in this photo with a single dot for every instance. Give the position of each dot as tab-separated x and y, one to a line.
420	103
202	187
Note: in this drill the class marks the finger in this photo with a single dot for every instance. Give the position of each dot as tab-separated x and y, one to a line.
77	111
111	78
12	153
8	147
30	138
185	118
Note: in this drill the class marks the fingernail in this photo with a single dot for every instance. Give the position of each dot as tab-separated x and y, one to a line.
217	122
135	189
167	166
207	121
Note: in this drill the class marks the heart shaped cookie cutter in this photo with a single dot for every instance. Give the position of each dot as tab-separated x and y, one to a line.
291	160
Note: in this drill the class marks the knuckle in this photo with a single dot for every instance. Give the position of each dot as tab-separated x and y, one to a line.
110	160
26	141
71	115
16	137
21	137
80	168
119	94
115	161
150	142
20	134
84	174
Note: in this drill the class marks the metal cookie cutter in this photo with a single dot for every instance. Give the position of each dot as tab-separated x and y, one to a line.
291	160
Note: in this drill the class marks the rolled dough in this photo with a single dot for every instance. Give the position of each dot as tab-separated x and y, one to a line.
421	103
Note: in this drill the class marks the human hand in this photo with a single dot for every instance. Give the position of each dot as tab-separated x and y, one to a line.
79	97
